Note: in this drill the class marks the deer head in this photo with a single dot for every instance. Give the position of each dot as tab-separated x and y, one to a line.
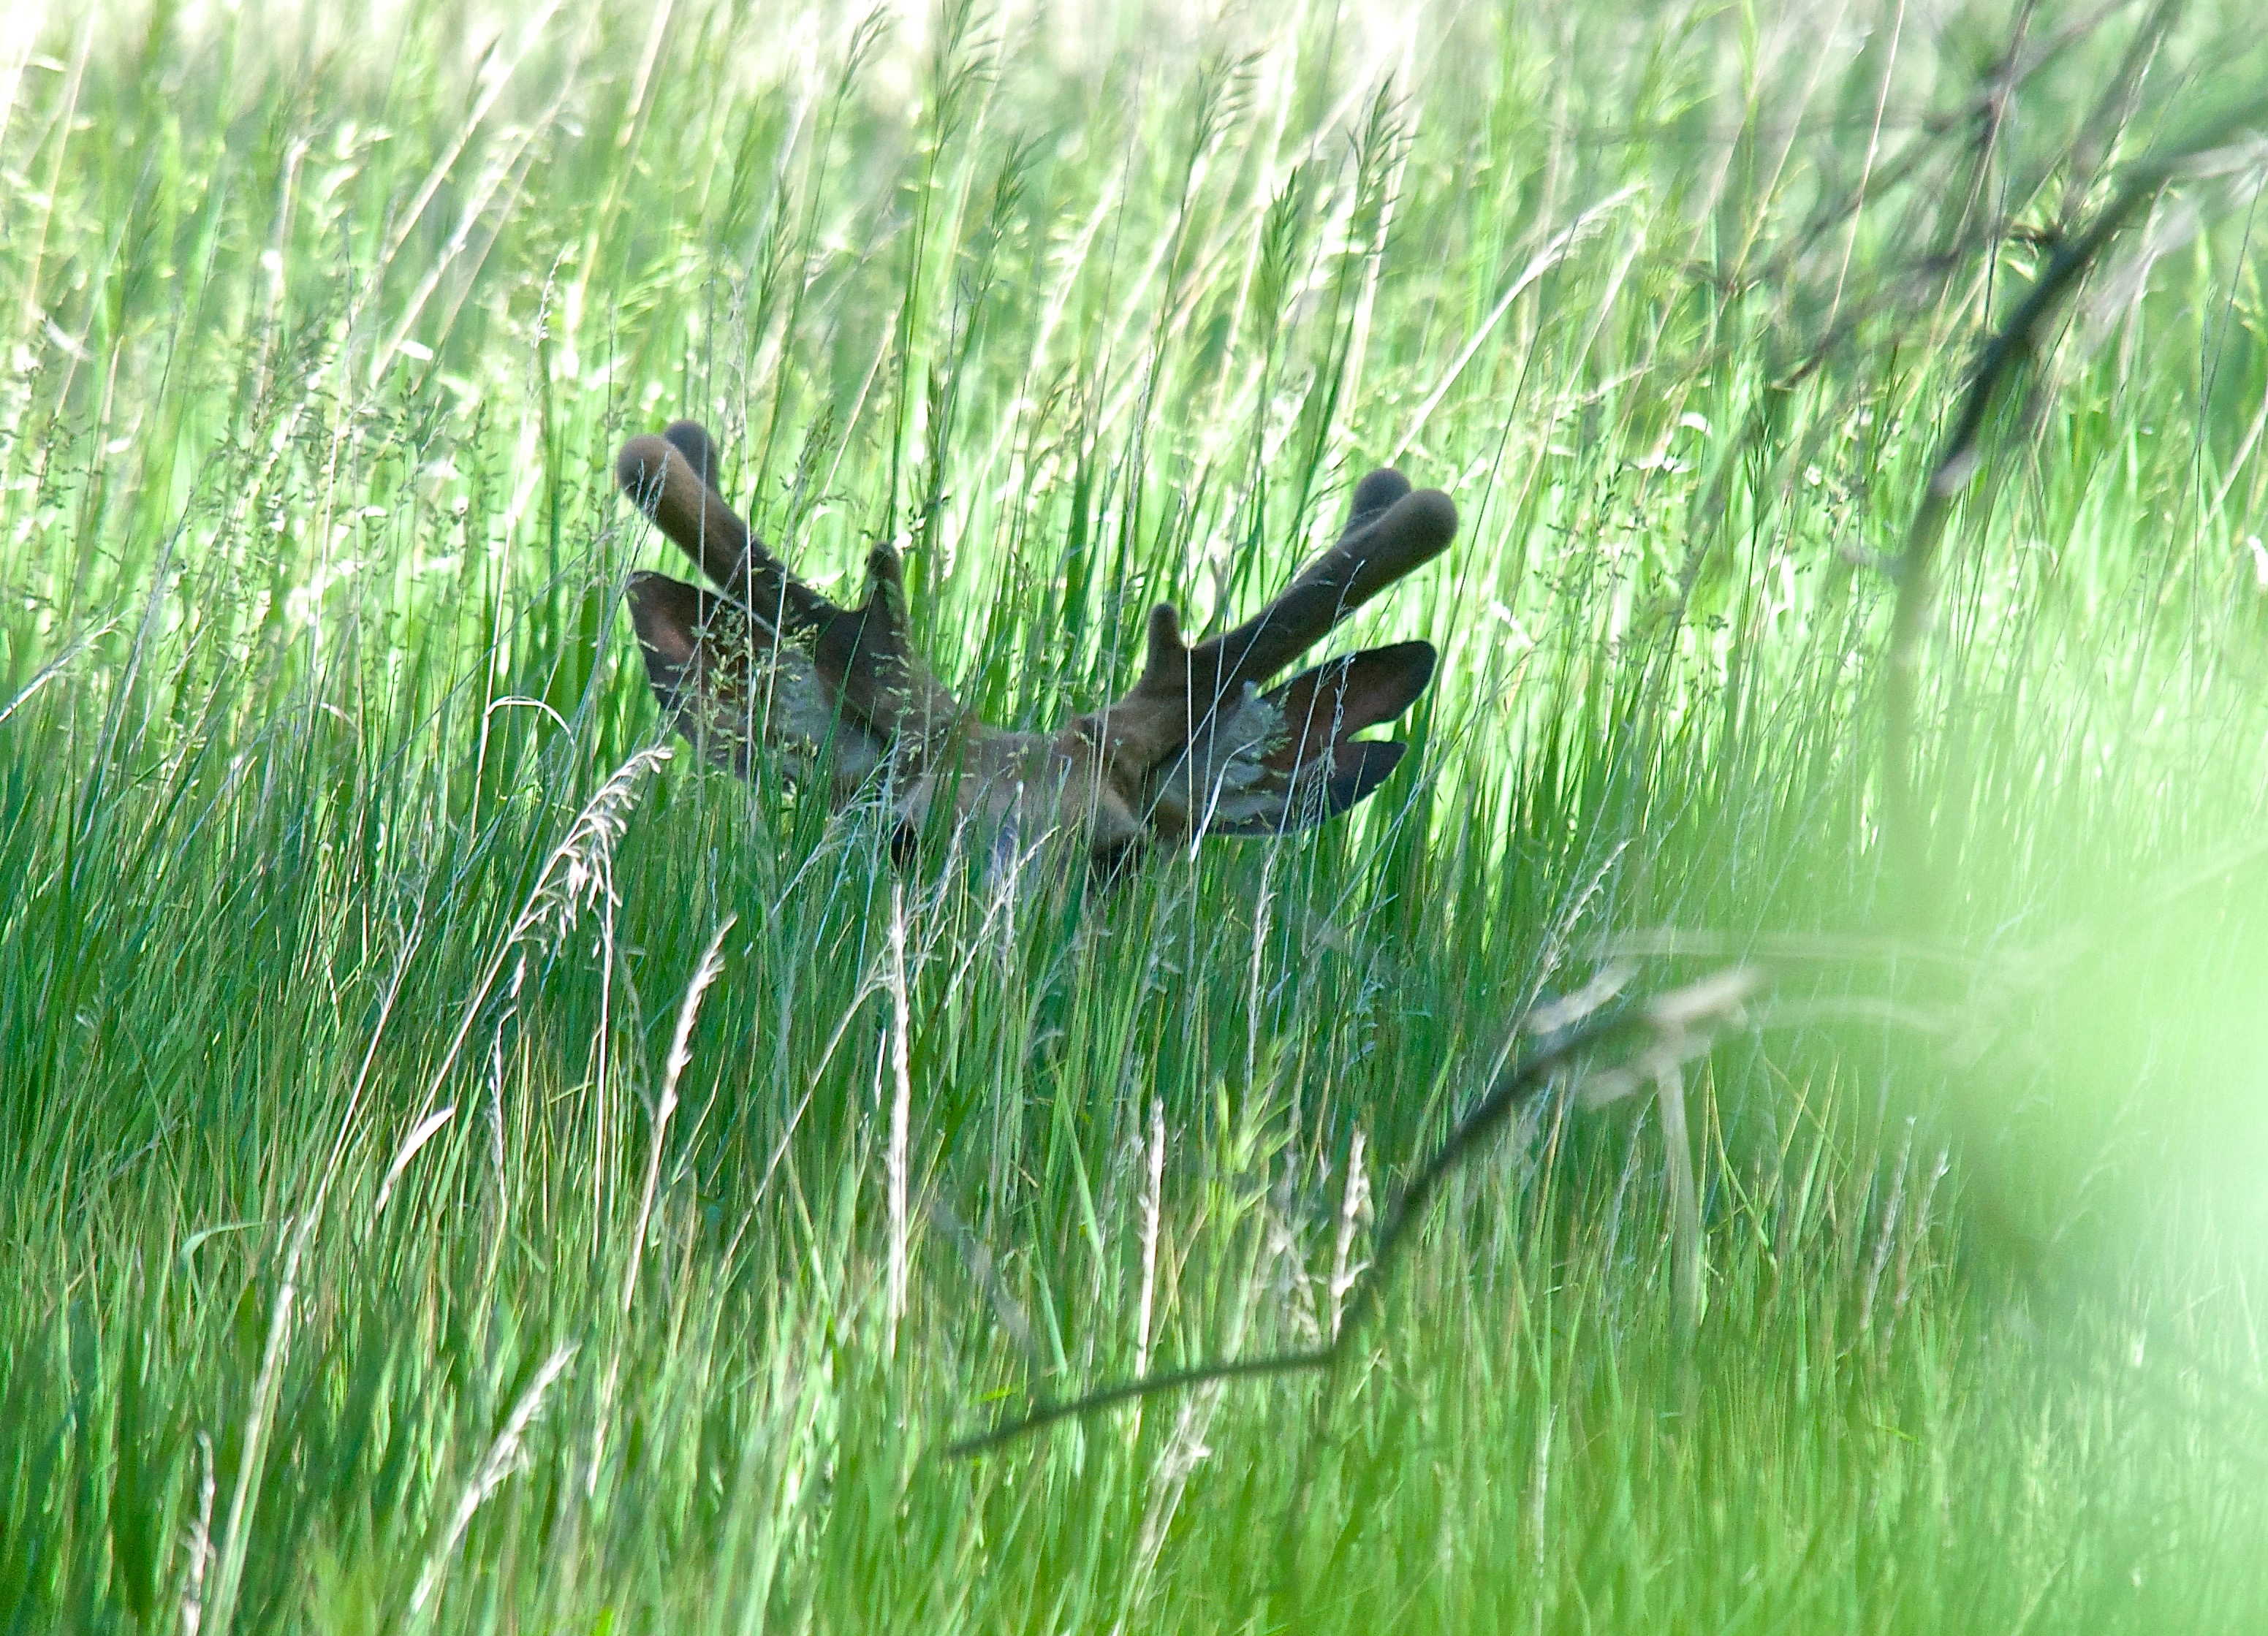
1194	750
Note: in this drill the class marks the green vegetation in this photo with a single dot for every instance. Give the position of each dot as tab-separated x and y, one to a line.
374	1265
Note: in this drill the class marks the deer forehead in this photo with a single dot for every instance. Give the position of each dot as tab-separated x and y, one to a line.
1029	784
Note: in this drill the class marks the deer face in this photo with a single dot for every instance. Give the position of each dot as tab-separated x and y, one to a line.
1196	750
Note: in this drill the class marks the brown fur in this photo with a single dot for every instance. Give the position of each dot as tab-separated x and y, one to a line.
1194	749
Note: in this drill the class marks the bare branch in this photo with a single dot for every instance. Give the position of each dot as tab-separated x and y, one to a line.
1906	824
1675	1026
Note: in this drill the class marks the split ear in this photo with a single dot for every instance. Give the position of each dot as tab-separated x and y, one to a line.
1287	760
730	681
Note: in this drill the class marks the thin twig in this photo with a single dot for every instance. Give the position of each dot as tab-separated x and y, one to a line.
1684	1201
1904	822
1679	1025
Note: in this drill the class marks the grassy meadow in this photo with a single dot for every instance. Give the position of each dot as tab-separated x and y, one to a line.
464	1170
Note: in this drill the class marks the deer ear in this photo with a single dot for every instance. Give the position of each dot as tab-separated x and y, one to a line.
669	617
1325	706
728	681
1272	764
1356	769
683	632
1316	791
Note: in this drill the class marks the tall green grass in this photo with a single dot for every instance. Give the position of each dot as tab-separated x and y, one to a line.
375	1265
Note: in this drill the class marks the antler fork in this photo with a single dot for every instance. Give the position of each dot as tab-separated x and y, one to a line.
1195	749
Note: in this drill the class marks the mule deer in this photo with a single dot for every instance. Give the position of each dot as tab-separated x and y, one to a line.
1195	749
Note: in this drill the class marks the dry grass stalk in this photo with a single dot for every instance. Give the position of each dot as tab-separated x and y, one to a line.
1154	1158
681	1055
507	1454
578	872
197	1541
1354	1208
901	1099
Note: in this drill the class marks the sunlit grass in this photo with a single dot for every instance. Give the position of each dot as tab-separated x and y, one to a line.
344	935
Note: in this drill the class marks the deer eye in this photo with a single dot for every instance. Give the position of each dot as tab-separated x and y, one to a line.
905	845
1110	863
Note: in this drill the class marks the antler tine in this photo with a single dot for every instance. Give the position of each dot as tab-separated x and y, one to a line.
668	477
1390	532
865	653
691	439
871	648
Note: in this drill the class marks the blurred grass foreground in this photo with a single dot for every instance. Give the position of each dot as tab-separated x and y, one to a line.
465	1172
